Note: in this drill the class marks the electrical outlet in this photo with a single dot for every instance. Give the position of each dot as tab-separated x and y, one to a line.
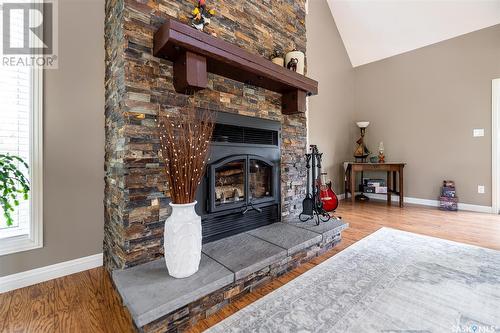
480	189
478	132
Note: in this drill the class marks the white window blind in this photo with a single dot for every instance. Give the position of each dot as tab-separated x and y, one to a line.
15	129
21	135
15	101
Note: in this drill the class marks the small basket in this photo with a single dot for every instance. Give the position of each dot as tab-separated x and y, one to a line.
448	204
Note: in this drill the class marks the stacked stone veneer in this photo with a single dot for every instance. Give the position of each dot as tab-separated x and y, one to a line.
139	86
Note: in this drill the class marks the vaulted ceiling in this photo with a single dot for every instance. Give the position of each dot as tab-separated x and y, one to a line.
377	29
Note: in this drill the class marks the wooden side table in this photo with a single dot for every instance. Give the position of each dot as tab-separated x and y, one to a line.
392	179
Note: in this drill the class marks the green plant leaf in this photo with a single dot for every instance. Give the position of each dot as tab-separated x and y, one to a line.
13	184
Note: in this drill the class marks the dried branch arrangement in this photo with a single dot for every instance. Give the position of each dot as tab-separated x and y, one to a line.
185	140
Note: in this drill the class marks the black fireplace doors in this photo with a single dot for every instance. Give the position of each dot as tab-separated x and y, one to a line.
242	182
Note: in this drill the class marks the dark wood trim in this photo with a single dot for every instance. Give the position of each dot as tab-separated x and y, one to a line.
293	101
190	72
175	41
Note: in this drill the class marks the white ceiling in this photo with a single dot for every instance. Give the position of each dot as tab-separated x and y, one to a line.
377	29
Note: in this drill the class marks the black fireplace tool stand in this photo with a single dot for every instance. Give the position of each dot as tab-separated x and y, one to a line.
312	207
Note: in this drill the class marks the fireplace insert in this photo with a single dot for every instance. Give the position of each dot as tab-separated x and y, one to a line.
241	189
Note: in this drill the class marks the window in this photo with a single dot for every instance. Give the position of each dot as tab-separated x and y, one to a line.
21	135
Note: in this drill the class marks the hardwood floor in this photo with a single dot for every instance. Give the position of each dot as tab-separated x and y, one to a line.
86	301
82	302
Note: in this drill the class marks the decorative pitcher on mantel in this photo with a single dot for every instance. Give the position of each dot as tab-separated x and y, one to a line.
182	240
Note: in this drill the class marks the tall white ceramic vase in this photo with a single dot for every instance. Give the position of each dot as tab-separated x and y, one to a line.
182	240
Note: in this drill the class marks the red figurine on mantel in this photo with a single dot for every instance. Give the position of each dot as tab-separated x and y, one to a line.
201	15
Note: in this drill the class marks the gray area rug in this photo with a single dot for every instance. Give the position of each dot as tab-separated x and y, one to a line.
391	281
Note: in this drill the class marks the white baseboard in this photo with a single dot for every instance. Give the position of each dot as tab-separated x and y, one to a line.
42	274
427	202
475	208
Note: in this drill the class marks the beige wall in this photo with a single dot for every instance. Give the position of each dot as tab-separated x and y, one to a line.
73	142
424	105
330	112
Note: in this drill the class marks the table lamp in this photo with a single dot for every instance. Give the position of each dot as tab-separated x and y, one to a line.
361	152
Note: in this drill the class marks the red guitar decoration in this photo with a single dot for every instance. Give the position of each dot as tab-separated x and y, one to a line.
326	194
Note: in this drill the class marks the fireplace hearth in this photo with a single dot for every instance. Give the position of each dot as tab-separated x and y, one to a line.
241	190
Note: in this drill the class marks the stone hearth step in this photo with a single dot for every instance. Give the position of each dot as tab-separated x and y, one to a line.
287	236
244	254
150	293
326	229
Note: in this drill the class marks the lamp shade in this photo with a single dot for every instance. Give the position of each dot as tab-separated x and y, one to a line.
363	124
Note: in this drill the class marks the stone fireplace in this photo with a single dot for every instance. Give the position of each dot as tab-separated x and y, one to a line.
139	86
256	173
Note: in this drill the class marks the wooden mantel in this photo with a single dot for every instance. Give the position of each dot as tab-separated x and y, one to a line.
195	53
